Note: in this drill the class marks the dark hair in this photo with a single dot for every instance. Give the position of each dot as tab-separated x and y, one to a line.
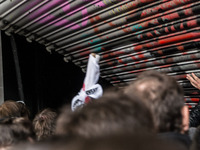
107	115
9	108
14	131
24	111
44	123
163	95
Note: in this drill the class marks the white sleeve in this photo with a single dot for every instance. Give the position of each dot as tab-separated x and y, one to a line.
90	89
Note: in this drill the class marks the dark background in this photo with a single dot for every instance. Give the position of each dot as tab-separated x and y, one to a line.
47	80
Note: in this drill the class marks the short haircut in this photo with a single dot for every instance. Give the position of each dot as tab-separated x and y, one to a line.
44	124
163	95
105	116
9	108
14	131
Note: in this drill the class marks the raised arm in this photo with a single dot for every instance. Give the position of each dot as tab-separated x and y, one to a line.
90	87
194	80
195	112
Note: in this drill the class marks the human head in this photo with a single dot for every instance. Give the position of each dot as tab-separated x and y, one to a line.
165	98
14	131
9	108
105	116
44	124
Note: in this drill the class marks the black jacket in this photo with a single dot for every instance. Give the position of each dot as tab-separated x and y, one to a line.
181	140
195	116
196	140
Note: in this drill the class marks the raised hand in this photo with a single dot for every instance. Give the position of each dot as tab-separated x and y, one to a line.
194	80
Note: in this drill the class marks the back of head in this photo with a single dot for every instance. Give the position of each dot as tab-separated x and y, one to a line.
9	109
44	124
105	116
14	131
163	95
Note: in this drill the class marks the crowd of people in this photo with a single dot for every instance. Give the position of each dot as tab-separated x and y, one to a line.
150	113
